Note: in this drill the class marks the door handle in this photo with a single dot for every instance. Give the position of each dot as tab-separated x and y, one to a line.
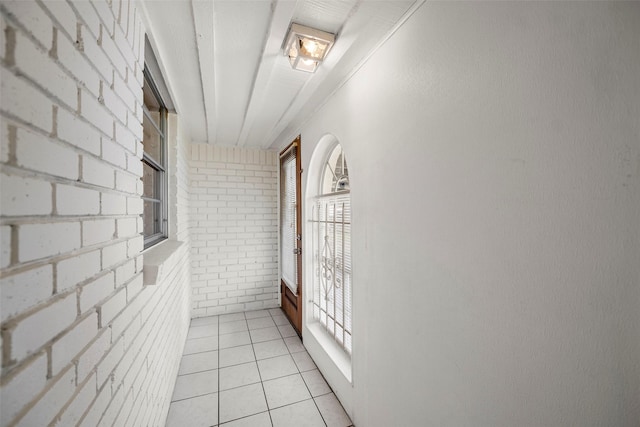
297	251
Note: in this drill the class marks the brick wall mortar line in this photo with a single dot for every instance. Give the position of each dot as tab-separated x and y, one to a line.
57	25
10	65
50	384
44	90
8	115
9	374
9	17
96	36
31	173
12	322
140	331
31	265
90	406
79	387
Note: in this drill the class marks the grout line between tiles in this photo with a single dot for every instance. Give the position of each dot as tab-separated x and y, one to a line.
197	372
192	397
242	418
295	403
303	380
198	352
289	352
260	376
313	398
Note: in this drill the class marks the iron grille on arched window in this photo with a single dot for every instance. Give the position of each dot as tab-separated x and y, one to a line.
331	240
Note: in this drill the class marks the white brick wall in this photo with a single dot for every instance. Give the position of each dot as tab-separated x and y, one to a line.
24	290
74	200
5	246
83	341
74	270
22	386
20	195
37	329
41	241
234	229
35	151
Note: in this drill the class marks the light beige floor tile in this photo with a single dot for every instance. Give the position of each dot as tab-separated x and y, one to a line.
260	322
201	321
302	414
198	362
241	402
199	345
236	355
287	331
202	331
281	320
266	334
201	411
256	314
239	375
316	383
332	412
294	344
285	391
197	384
268	349
303	361
277	367
233	340
258	420
223	318
235	326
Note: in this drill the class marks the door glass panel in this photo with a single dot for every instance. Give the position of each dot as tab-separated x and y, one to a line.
288	224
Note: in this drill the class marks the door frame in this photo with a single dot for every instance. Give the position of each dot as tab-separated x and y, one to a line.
292	304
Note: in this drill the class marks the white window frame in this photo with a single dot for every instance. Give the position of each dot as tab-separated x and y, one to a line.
159	166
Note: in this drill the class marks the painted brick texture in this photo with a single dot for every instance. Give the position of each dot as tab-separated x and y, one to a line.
234	229
83	341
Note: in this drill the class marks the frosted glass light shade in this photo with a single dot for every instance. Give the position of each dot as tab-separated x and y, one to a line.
307	47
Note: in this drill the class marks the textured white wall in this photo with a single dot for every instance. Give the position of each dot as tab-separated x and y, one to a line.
233	219
494	158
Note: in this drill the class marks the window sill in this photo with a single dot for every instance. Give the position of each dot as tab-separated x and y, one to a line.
336	353
157	258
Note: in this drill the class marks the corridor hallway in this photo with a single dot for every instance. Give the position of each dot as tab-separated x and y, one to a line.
491	152
250	369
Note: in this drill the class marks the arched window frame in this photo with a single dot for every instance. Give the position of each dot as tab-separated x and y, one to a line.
330	220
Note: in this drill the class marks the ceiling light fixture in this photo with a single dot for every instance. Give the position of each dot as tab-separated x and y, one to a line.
307	47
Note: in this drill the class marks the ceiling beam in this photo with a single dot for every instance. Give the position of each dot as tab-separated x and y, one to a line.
281	17
327	70
302	106
202	13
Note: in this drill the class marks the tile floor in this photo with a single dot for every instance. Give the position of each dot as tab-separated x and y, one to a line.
250	369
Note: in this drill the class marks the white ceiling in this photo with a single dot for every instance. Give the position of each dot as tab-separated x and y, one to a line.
225	67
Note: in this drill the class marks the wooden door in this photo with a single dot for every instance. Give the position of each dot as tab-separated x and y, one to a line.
291	234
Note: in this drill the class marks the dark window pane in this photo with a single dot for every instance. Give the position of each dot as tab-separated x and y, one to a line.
150	100
152	140
149	179
151	218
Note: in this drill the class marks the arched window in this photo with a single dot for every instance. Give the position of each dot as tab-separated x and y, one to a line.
331	243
